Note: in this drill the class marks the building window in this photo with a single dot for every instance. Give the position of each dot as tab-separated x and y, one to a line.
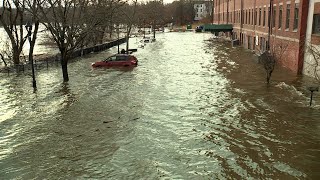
280	17
249	22
296	17
252	16
255	16
260	16
246	17
316	24
274	15
262	45
288	16
264	16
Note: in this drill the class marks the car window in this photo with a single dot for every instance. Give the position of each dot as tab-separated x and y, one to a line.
112	58
122	58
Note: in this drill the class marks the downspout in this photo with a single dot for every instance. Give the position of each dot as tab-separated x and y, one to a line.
219	15
255	16
241	19
228	12
234	11
269	22
302	34
212	11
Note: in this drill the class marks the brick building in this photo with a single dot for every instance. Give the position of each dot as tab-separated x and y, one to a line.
279	25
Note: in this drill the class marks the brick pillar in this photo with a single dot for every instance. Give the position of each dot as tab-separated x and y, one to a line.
302	35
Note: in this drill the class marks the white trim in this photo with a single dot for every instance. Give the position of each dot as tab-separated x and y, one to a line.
266	34
288	2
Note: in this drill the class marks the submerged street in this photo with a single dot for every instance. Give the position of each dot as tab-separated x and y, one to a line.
194	108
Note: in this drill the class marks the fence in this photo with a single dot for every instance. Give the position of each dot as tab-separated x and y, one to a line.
56	58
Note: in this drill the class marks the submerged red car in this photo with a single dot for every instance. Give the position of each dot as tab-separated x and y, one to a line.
117	60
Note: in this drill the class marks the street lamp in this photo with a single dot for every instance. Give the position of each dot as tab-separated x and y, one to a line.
29	30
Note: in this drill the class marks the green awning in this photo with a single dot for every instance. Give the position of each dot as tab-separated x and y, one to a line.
218	27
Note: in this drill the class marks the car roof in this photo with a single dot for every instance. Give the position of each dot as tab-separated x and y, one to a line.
120	55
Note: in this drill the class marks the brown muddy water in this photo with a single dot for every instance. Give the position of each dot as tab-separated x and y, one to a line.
194	108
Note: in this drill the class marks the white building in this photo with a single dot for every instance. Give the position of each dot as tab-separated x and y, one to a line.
311	65
202	9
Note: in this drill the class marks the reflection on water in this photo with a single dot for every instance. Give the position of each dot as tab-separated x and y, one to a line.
194	108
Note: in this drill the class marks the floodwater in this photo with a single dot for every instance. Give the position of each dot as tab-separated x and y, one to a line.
194	108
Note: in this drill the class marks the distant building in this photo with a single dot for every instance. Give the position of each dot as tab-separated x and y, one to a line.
202	9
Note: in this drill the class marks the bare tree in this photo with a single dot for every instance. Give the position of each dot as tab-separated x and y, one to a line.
33	9
12	18
129	18
104	12
269	58
6	52
65	21
268	61
314	62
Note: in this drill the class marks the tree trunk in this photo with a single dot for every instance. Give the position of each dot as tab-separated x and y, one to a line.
269	73
16	56
64	65
127	45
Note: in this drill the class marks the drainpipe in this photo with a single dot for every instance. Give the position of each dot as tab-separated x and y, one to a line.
241	20
212	11
302	34
234	11
255	16
269	23
219	15
228	12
